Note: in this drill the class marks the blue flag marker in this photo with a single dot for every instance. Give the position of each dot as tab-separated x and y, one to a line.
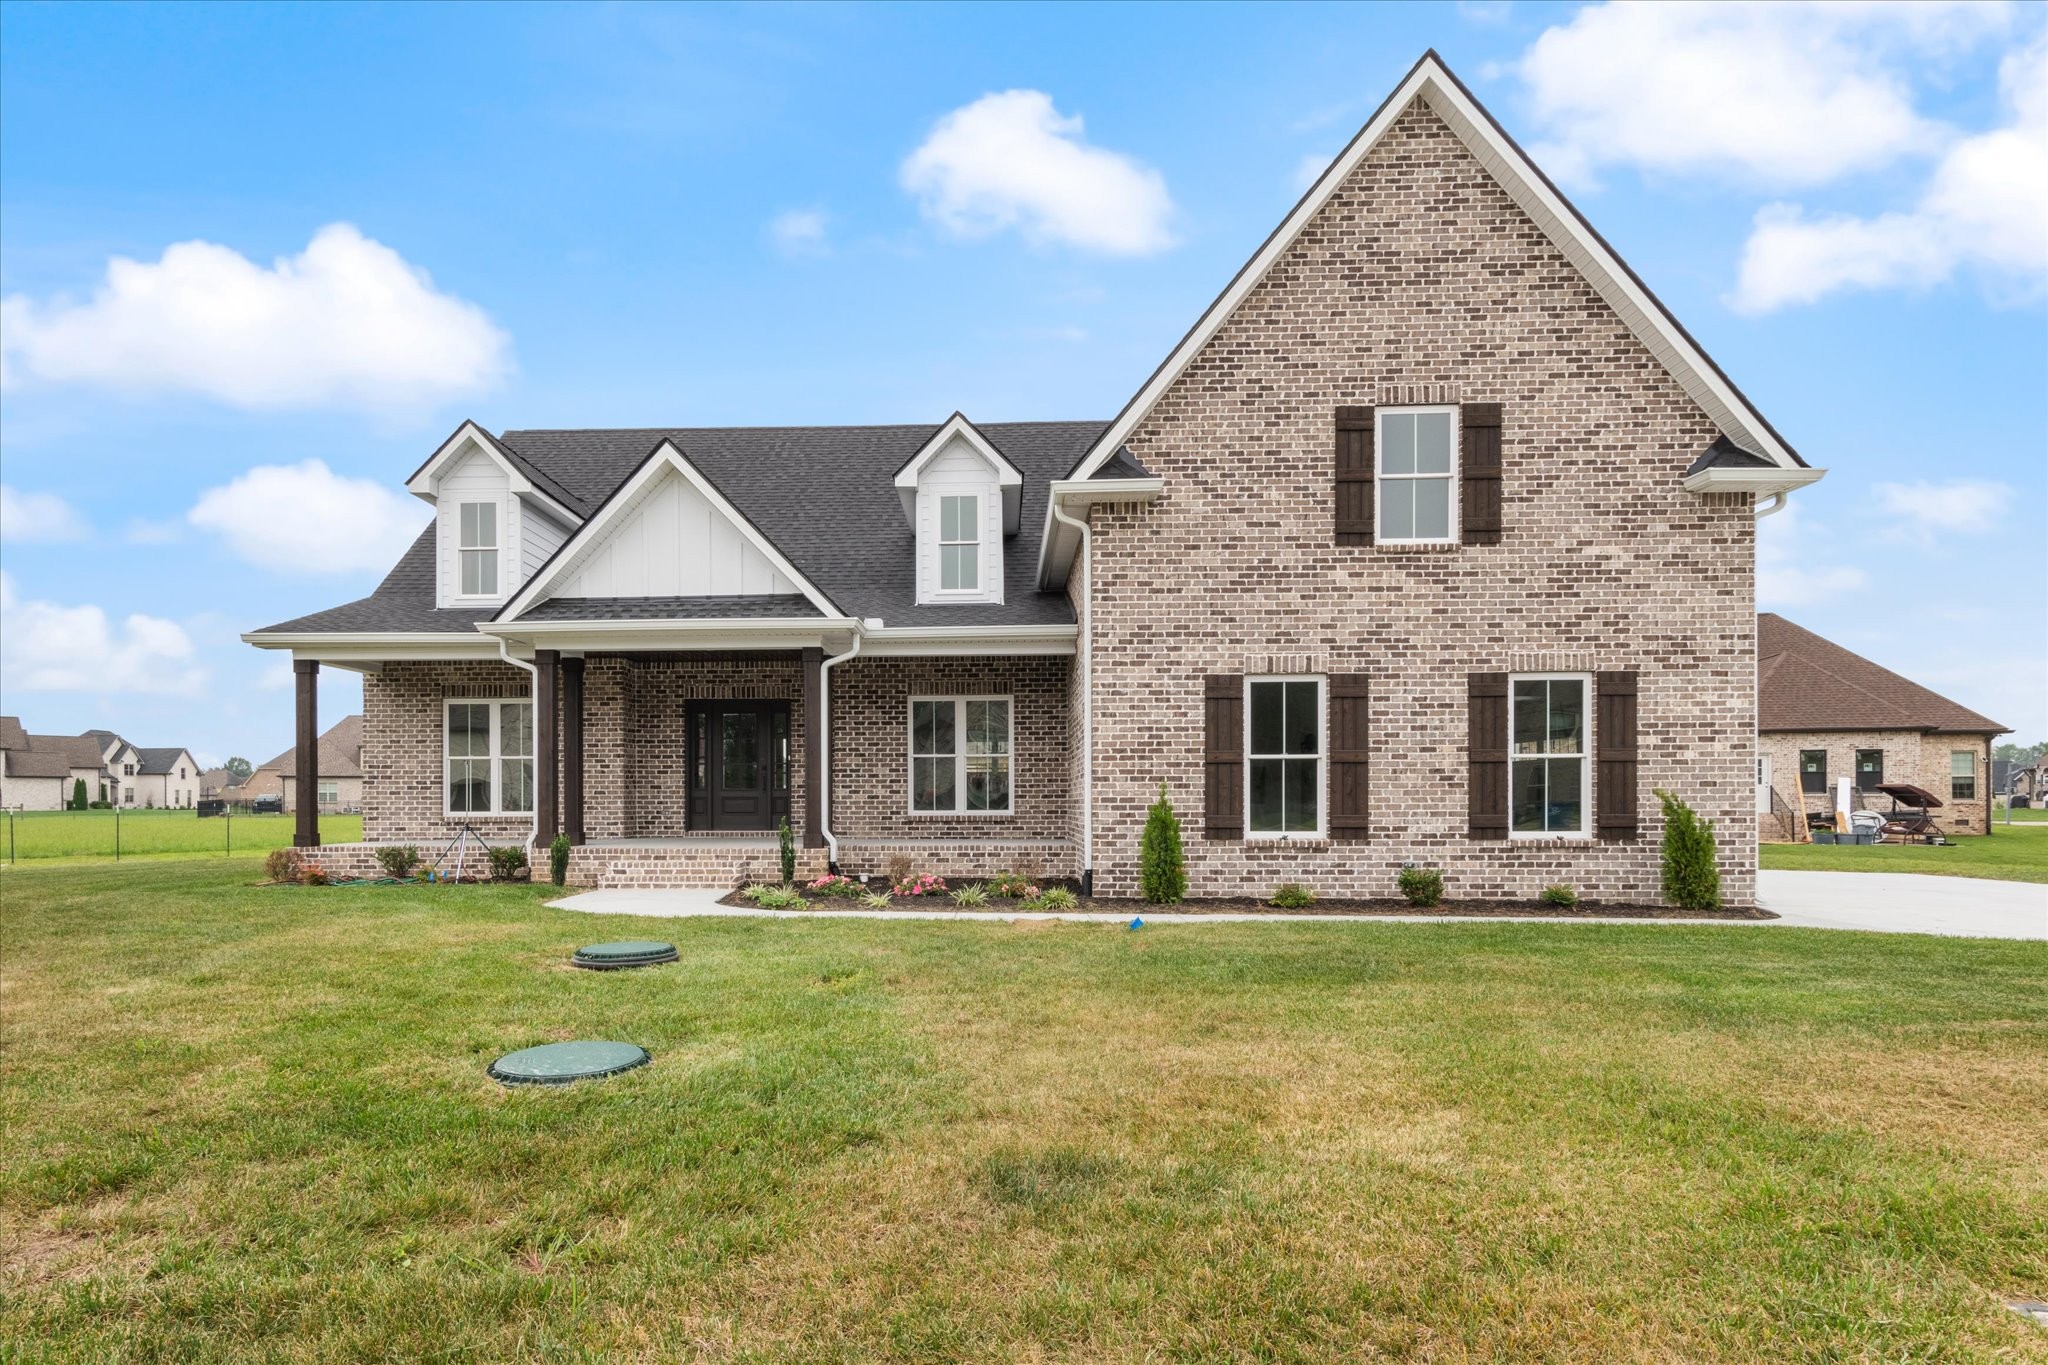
1136	924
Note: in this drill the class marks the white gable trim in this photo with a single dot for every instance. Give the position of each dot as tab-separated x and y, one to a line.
1430	80
1008	479
426	480
569	557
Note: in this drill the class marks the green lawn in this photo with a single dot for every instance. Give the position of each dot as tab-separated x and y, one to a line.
2025	815
253	1124
2016	855
29	835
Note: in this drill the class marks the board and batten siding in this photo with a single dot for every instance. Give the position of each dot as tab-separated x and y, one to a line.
672	542
957	470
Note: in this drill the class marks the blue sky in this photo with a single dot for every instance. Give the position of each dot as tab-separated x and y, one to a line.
383	220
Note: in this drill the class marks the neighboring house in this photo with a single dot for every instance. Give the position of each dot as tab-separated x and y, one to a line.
1432	541
214	784
340	783
166	778
112	769
30	779
1824	713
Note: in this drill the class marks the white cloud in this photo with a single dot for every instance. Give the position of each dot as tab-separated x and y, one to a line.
51	648
1986	206
1783	94
276	676
305	518
1925	512
800	232
1791	564
1011	160
346	323
143	531
37	516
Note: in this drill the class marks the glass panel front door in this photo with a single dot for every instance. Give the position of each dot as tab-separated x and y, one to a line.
738	764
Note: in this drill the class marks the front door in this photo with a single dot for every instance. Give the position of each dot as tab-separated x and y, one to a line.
738	764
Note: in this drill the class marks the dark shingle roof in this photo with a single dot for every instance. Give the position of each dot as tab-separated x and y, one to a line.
12	736
1807	683
80	751
23	762
341	752
404	601
1725	454
157	762
669	608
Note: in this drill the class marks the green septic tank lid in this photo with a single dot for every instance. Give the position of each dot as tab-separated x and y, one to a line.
634	953
561	1063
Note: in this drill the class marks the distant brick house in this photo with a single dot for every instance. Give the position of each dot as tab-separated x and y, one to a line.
42	772
1824	713
1433	540
339	783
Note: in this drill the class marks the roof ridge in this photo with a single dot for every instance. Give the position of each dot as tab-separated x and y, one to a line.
810	426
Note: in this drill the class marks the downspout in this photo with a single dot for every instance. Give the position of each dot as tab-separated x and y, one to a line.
1777	504
824	776
532	691
1087	644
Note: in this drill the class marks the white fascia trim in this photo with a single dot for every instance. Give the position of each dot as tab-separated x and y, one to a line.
938	641
569	556
426	484
1008	480
1751	480
1432	81
445	644
1058	542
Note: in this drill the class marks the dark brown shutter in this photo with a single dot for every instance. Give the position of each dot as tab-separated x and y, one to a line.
1349	742
1354	476
1479	472
1486	708
1614	789
1223	756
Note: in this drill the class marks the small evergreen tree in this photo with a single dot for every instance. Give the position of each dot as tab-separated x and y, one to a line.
78	793
1692	876
787	841
1162	863
558	860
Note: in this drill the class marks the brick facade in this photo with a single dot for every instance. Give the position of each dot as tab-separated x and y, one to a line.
404	781
1421	281
1909	756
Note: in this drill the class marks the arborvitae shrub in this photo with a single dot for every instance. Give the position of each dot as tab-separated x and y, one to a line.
1162	862
1692	875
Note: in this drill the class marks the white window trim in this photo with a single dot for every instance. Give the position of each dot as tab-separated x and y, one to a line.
1322	829
497	756
910	755
1379	476
497	549
980	588
1585	829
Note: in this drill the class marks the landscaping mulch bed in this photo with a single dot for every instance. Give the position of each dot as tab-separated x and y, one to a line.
1449	909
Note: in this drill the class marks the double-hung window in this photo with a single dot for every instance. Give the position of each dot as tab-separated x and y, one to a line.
960	755
1962	775
1417	475
1813	770
489	757
1869	769
1548	778
959	543
479	549
1283	757
330	792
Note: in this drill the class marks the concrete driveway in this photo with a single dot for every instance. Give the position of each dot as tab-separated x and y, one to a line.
1906	903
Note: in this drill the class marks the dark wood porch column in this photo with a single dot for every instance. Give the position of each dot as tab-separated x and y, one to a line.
572	749
814	749
306	754
546	745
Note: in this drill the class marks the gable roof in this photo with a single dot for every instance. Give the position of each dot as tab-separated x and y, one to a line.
1807	683
159	762
25	762
12	736
1639	309
1008	479
340	751
80	751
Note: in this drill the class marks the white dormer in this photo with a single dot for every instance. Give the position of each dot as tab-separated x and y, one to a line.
493	525
962	498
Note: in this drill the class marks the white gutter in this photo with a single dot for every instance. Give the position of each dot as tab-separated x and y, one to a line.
1087	661
1094	490
824	774
1751	479
533	697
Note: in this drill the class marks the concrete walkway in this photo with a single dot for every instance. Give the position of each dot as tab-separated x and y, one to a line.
1881	902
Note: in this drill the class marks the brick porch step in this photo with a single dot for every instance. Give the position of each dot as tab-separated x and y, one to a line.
695	861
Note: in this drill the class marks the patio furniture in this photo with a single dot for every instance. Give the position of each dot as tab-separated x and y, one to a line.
1911	822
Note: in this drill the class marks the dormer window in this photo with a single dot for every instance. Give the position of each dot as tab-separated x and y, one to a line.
960	544
479	549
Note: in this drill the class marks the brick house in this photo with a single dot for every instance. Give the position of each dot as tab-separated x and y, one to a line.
339	785
1433	540
1824	713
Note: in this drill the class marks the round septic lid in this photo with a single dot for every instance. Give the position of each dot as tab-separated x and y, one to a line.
634	953
560	1063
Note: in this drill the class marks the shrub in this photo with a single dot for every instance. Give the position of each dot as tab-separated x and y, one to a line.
1029	866
1162	862
1291	896
78	793
1009	885
1054	898
313	875
773	897
874	900
558	860
1561	896
1692	876
1423	886
398	860
506	862
283	865
785	844
897	867
971	896
924	884
837	887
